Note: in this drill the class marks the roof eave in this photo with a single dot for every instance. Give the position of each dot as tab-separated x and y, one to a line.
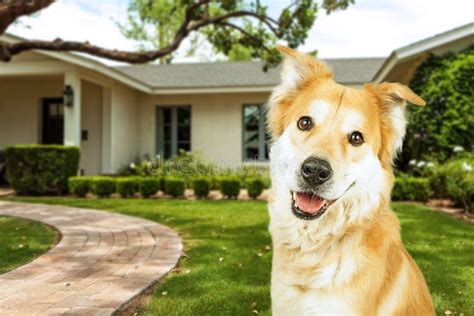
205	90
414	50
86	63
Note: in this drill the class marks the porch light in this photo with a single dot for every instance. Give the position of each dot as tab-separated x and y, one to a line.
68	95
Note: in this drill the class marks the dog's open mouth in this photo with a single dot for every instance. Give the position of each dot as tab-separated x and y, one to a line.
308	206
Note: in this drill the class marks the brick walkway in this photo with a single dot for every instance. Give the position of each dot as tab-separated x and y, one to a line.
102	262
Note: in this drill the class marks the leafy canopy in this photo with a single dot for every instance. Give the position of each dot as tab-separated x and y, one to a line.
446	124
240	36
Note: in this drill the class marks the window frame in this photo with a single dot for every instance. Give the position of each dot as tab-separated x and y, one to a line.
262	153
159	129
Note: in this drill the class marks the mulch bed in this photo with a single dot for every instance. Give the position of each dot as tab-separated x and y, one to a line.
446	206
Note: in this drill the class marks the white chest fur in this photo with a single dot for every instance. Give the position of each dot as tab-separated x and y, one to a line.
312	281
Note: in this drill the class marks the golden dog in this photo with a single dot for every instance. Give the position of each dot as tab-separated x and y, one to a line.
337	245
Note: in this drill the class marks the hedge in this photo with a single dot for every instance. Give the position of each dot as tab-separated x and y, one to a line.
407	188
149	186
201	187
79	186
41	169
175	187
103	186
255	187
126	187
229	187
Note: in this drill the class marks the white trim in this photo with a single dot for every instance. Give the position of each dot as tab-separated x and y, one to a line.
388	65
85	63
35	68
414	50
435	41
212	90
96	66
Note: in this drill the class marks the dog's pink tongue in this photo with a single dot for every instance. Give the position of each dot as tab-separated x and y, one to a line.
309	203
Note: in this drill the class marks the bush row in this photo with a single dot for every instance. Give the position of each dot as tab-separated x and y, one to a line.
173	186
452	180
408	188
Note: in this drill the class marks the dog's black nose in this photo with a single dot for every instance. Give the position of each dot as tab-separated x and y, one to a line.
316	171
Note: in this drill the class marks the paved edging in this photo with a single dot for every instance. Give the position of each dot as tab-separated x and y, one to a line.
102	262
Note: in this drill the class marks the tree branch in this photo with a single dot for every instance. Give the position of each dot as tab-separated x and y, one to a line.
189	25
14	9
241	30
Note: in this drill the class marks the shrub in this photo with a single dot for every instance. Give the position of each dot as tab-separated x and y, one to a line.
126	186
399	189
420	189
175	186
79	186
229	187
460	187
459	177
3	169
407	188
255	187
149	186
201	187
446	123
437	182
267	182
41	169
103	186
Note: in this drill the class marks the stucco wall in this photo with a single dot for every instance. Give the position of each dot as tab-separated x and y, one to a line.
124	113
91	121
20	107
216	122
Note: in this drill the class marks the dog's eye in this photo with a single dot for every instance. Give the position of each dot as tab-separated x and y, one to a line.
305	123
356	138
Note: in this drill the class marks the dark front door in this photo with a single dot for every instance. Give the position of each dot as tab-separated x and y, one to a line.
53	121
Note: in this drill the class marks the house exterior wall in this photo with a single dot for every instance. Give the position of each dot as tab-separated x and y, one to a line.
91	121
21	114
124	113
20	107
216	122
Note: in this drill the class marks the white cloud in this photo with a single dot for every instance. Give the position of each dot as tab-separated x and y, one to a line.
375	28
70	21
369	28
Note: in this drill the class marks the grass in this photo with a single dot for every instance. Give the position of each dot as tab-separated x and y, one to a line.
22	240
228	263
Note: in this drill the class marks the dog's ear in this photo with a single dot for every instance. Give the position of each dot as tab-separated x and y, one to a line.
299	67
397	94
392	100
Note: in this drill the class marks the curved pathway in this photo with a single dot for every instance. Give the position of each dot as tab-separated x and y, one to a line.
102	262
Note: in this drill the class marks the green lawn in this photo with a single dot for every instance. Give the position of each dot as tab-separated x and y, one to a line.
227	268
23	240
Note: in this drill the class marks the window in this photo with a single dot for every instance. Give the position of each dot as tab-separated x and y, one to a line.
173	130
255	137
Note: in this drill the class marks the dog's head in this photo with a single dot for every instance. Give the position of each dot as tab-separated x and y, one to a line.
333	143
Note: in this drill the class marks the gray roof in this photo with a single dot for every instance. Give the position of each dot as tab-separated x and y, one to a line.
240	74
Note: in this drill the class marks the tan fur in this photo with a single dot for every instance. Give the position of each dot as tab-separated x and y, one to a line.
351	260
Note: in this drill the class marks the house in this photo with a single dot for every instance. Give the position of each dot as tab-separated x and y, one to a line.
116	114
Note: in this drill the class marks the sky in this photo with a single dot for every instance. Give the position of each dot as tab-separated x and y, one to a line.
367	29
